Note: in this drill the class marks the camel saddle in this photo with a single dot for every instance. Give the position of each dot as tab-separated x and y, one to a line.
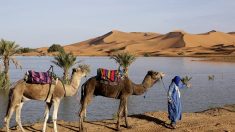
106	76
34	77
38	77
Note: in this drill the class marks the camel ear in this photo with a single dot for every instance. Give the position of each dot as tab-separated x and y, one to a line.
150	73
74	70
153	74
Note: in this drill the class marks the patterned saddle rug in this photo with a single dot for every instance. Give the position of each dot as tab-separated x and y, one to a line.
38	77
108	76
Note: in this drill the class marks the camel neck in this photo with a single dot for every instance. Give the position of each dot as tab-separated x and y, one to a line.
139	89
72	89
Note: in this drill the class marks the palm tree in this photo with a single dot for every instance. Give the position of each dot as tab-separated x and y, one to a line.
124	59
65	61
7	51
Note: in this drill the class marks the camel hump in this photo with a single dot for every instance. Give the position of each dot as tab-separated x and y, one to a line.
108	75
38	77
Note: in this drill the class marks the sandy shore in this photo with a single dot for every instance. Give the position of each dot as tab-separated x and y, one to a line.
215	119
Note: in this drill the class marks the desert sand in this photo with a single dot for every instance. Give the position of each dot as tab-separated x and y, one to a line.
215	119
176	43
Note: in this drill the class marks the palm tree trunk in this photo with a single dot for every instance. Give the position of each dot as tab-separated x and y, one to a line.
125	70
6	71
66	75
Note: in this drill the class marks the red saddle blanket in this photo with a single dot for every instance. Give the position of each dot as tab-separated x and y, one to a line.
110	75
38	77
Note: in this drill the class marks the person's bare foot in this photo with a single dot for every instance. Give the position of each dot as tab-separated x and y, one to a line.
173	125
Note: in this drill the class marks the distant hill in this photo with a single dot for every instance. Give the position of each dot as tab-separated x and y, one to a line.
176	43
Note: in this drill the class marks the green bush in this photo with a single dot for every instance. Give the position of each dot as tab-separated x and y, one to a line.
26	50
55	48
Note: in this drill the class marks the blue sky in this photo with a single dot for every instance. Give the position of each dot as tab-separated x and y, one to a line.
37	23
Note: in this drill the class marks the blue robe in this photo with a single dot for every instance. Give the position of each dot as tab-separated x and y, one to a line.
174	102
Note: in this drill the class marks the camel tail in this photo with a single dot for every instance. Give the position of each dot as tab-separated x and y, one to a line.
82	92
10	95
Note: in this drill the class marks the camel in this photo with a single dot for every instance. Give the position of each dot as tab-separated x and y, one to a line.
23	91
121	91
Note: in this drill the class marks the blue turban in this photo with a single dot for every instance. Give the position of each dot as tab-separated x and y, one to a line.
176	80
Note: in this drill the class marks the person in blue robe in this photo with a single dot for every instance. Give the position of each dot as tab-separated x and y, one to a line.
174	102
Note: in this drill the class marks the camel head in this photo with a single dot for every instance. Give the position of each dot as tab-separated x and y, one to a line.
81	70
156	75
152	77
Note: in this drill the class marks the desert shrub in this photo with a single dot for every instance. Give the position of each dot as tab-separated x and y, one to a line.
113	50
181	53
116	49
55	48
146	54
211	77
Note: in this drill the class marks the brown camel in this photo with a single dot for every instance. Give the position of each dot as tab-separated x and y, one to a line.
23	91
121	91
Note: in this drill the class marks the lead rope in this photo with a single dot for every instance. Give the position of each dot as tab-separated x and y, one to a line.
164	87
145	94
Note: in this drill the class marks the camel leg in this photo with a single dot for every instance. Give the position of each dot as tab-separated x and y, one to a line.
84	104
8	118
82	115
85	100
125	114
46	115
120	110
56	107
13	103
18	115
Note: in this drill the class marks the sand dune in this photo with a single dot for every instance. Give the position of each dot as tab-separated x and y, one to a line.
209	39
176	43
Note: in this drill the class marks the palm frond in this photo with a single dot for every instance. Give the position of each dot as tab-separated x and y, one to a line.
8	48
85	68
124	59
65	61
16	63
186	79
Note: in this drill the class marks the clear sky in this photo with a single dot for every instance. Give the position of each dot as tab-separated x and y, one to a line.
37	23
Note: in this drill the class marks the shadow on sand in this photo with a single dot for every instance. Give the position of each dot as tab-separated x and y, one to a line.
104	124
151	119
139	116
108	124
70	127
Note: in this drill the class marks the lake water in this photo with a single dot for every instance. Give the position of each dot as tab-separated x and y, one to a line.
203	94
